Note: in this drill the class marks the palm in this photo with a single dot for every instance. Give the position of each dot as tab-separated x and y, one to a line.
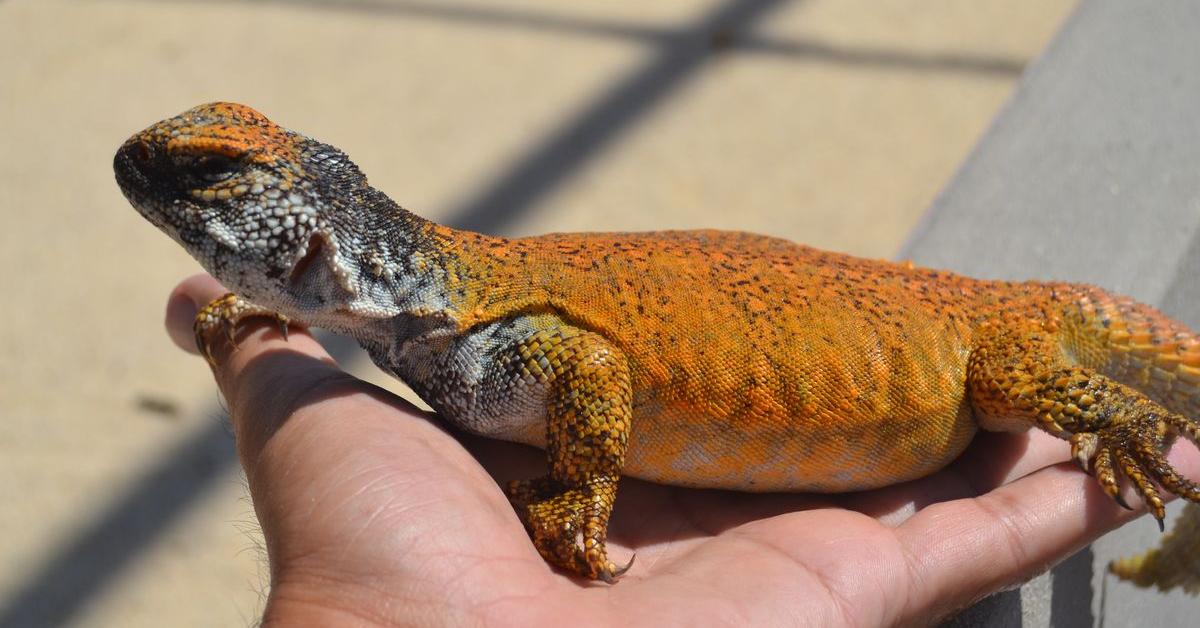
402	502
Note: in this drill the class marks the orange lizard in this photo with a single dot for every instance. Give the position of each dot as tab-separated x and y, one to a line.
696	358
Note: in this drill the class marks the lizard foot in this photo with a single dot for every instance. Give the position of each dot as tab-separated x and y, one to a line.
1135	446
568	524
224	313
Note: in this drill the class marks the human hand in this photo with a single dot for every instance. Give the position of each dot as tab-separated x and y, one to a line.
374	514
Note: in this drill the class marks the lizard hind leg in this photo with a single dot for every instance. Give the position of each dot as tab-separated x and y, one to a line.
589	411
1019	378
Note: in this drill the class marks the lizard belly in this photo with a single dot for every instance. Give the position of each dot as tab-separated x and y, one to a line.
790	453
838	404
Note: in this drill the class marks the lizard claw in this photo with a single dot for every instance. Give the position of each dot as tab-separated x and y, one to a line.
203	348
230	328
610	576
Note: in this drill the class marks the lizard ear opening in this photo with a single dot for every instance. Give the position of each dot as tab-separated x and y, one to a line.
318	271
316	245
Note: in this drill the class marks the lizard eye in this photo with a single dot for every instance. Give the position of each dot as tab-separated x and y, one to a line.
214	168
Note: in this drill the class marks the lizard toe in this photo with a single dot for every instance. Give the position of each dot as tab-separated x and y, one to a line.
1089	452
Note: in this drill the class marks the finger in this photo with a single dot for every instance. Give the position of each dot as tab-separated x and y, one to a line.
1001	458
991	460
964	549
185	301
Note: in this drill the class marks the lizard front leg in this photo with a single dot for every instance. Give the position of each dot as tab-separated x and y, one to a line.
223	314
589	413
1020	376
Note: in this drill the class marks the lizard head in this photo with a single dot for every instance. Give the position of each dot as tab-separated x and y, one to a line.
248	199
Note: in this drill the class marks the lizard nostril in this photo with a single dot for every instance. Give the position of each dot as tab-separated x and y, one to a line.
142	152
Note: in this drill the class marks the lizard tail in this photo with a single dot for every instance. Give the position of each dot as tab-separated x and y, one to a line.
1143	348
1172	564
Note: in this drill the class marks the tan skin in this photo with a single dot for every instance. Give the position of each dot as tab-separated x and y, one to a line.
375	515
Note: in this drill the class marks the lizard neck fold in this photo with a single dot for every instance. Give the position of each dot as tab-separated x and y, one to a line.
418	275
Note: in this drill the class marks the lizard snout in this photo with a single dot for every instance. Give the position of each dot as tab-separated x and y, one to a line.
134	162
129	164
